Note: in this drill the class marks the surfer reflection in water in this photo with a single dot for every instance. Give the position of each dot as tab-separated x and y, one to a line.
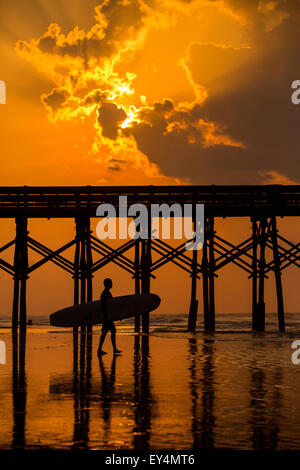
108	325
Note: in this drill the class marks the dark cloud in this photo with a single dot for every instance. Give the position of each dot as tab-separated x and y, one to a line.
257	109
123	18
47	43
115	164
79	47
114	167
95	96
179	158
164	107
155	116
183	144
251	103
264	12
55	99
110	116
117	21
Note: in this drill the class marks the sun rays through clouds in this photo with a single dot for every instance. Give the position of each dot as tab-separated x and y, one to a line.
90	80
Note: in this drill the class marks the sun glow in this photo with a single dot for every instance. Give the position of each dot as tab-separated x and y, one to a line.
125	90
132	114
121	81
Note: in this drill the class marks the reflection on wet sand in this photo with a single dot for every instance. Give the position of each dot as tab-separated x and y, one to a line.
202	389
107	393
144	403
265	401
19	390
86	390
218	394
81	388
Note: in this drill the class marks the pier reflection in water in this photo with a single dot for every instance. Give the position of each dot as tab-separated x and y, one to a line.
144	402
19	389
202	393
163	392
88	389
265	400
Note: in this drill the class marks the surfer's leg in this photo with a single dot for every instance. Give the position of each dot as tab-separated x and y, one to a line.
102	338
113	338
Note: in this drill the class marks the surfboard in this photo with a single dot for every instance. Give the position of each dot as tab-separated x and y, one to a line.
118	308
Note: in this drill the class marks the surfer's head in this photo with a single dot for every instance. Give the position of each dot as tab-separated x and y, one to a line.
107	283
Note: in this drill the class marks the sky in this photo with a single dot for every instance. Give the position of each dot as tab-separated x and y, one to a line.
149	92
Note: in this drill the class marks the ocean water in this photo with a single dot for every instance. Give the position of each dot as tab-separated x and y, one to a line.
170	389
225	322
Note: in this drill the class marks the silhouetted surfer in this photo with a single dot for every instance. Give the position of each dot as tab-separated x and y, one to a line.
108	325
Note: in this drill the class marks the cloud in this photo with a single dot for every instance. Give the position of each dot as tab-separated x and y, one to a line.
262	14
110	117
250	95
164	118
273	177
118	22
239	128
80	60
54	100
214	66
83	66
183	143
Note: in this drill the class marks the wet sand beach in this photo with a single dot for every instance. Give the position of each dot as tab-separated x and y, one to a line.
168	390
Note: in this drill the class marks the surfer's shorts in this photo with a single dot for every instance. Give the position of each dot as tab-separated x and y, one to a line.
108	325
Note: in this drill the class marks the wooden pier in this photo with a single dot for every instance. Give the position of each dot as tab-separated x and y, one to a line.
262	205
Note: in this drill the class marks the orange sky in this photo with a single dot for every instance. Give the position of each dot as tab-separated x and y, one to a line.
148	92
54	96
144	91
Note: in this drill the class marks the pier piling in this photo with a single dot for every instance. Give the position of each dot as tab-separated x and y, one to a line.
192	320
20	275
